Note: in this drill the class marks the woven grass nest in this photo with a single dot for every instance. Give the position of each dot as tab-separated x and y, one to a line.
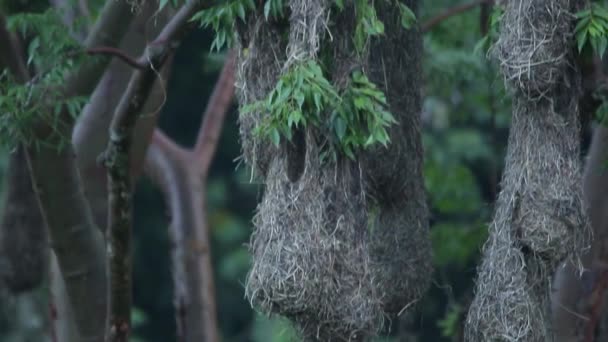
540	219
340	246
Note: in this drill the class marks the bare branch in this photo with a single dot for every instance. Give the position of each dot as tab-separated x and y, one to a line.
431	23
182	175
194	292
118	53
90	135
118	160
217	107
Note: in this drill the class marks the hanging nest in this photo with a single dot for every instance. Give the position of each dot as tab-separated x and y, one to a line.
309	247
534	44
338	244
540	218
400	243
539	221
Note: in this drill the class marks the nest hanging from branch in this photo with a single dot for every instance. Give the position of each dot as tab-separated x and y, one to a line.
540	219
338	244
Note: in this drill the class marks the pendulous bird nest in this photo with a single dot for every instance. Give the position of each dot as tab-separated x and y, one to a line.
540	219
339	245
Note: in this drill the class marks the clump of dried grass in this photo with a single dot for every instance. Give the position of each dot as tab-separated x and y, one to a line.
310	259
338	244
534	44
540	219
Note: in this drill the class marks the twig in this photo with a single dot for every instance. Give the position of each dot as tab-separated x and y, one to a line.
431	23
118	160
181	174
118	53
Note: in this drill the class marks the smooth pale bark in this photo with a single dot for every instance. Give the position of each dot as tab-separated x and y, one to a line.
90	136
574	296
181	174
75	237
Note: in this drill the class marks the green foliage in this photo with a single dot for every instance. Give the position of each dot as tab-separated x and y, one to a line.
456	245
361	119
163	3
52	53
221	19
273	330
592	28
297	100
450	324
408	18
358	117
492	35
367	24
274	8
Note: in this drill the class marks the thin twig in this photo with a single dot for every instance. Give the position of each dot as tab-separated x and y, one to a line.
118	53
431	23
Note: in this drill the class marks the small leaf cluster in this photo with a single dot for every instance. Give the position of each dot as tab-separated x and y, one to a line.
297	100
52	54
221	18
361	119
163	3
368	25
49	42
486	41
353	120
592	28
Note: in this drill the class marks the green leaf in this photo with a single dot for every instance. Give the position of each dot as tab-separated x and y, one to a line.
267	9
408	18
275	137
162	4
340	128
602	43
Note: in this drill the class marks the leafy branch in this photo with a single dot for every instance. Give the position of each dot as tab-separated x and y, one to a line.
358	118
592	28
50	53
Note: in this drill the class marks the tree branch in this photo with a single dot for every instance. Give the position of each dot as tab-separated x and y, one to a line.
90	135
182	174
76	240
118	160
118	53
431	23
218	104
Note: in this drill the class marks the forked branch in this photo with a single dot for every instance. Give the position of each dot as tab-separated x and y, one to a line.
181	174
